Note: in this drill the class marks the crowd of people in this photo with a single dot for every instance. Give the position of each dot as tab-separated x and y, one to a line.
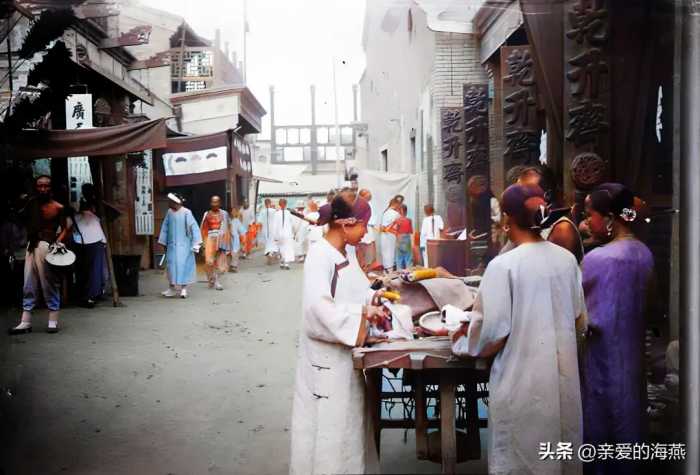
564	329
560	310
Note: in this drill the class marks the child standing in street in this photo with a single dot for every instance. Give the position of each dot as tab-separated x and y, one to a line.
237	229
404	243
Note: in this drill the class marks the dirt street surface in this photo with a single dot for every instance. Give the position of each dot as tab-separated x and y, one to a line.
165	386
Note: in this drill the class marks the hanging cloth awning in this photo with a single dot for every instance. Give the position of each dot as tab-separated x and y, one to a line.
196	159
100	141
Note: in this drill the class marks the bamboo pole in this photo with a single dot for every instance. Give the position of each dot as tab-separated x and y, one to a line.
105	228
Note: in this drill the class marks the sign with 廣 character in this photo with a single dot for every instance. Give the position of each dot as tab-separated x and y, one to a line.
78	116
452	165
521	123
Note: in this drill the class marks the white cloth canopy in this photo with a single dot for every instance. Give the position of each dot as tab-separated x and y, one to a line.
384	186
531	297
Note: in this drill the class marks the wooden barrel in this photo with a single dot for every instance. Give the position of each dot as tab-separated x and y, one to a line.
451	254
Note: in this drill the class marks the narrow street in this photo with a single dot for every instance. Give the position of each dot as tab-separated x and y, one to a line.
160	386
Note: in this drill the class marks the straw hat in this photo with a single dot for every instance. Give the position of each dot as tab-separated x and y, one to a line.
60	256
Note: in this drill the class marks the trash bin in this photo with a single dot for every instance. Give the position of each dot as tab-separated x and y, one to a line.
126	273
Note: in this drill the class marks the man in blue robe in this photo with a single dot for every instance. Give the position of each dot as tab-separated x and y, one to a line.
182	239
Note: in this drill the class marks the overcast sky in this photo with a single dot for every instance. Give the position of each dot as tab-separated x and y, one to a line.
291	45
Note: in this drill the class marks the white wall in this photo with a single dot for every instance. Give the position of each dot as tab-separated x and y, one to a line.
398	67
209	115
411	75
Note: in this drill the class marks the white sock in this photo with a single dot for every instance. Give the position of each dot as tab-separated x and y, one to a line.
53	323
23	325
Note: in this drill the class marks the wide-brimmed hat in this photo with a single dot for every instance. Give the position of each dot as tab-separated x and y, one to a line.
60	256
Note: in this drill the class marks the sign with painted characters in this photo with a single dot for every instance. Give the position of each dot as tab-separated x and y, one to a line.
78	116
197	161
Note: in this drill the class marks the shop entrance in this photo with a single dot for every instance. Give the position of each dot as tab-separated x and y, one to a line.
197	197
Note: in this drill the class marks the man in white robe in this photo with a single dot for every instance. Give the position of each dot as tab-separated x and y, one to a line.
430	229
367	249
182	239
529	304
388	237
265	219
283	234
315	233
301	231
331	423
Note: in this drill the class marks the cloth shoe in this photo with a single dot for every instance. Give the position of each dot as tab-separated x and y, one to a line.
53	328
183	293
169	293
22	328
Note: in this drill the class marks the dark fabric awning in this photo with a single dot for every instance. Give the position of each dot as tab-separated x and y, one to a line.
100	141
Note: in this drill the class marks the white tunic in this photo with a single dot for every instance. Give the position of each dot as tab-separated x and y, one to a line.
87	226
301	230
331	429
315	232
388	240
369	238
283	234
531	296
430	229
265	219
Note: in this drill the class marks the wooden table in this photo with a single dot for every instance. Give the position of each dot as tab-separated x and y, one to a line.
431	362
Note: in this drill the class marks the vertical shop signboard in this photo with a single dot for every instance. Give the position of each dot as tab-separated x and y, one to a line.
521	125
144	220
586	93
452	163
78	116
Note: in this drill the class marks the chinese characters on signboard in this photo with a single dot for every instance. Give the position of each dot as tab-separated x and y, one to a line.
454	185
521	125
586	93
144	218
78	116
476	137
476	130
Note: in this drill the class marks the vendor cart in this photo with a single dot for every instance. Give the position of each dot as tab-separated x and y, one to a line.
430	373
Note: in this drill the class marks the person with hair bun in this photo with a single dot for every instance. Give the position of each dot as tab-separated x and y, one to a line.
331	431
527	313
616	278
562	230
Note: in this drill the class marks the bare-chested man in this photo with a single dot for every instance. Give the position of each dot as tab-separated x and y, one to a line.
46	224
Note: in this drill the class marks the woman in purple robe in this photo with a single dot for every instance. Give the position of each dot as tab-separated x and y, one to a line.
615	280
